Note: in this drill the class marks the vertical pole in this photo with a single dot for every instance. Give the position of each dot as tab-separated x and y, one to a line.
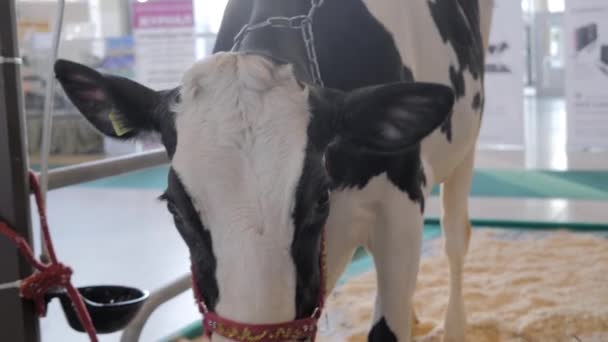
47	115
49	97
18	321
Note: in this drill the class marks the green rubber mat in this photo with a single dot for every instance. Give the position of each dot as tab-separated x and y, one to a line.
361	263
152	178
587	185
590	185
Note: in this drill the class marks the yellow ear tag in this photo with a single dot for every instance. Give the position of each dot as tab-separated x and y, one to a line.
120	128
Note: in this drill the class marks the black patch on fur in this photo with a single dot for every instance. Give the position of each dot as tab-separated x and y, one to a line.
457	80
367	47
381	332
458	22
197	238
350	168
236	14
477	102
350	128
446	127
408	75
309	216
167	130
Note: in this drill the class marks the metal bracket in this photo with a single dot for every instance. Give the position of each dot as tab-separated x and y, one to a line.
10	60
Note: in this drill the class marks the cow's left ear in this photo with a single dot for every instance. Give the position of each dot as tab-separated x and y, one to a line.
392	118
116	106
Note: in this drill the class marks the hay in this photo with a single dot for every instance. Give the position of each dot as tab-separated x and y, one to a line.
530	287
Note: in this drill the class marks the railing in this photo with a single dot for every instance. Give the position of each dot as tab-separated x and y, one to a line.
90	171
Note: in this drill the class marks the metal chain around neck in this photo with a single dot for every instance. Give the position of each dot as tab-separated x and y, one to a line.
299	22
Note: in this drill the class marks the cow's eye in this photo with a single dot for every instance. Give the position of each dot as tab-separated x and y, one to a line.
173	210
171	207
177	219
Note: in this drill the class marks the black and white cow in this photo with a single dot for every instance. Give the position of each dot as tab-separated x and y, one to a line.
262	159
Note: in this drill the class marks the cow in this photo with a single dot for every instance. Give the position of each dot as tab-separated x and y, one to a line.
264	161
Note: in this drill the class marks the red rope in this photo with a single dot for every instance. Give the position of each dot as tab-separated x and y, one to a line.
51	275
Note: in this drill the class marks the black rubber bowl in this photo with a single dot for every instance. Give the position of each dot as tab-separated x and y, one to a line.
111	307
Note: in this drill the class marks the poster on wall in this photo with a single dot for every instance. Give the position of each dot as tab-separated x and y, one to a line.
587	73
118	58
163	47
164	36
503	120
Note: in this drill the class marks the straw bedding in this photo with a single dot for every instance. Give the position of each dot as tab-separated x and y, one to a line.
518	286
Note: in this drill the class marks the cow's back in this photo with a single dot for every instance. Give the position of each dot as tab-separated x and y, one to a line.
367	42
443	41
354	48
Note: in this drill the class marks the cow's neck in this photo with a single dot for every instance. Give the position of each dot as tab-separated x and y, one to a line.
281	44
354	49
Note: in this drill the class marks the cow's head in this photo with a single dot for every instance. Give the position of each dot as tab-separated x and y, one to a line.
248	186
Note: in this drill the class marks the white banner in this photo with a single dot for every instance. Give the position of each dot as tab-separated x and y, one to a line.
587	73
503	120
165	45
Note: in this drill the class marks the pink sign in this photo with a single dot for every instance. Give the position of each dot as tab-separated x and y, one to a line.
163	14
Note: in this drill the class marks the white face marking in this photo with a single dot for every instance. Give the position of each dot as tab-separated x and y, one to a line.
241	139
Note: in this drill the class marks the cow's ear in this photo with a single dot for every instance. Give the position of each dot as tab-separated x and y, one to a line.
393	118
116	106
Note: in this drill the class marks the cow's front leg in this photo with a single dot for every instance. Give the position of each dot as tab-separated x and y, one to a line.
457	232
395	245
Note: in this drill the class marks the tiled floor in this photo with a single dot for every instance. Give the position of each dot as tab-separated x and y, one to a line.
125	236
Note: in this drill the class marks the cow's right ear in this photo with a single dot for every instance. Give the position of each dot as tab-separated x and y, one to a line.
116	106
393	118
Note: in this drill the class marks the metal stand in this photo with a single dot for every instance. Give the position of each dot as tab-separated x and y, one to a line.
18	321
